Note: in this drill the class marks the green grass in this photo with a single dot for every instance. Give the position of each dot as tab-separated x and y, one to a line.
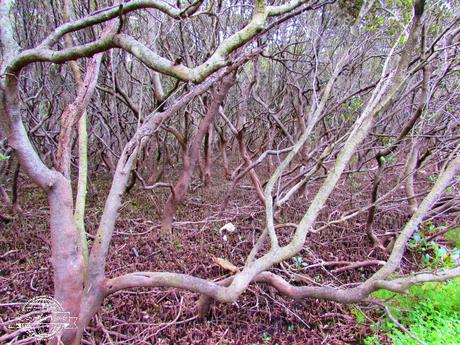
453	235
430	311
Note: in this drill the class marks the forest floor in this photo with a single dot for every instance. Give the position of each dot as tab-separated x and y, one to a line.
260	316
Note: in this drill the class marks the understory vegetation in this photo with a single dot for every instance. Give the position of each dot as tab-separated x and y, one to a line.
430	311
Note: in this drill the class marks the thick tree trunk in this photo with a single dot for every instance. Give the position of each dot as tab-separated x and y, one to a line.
66	253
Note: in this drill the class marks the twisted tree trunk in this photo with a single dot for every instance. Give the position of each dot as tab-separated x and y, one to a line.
192	153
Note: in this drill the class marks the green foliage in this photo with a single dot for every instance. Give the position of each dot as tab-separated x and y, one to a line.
358	314
430	311
355	183
350	108
267	338
432	179
354	103
433	255
3	157
441	10
372	340
388	140
453	235
312	138
299	263
403	39
375	23
388	160
451	188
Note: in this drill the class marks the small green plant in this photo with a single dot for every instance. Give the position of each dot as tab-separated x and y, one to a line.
432	178
267	338
3	157
179	245
391	159
358	314
388	160
299	263
312	138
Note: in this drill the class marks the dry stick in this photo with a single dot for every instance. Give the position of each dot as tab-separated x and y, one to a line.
359	264
175	319
153	186
101	326
4	195
401	327
296	276
31	284
280	201
348	264
21	317
8	252
9	336
446	205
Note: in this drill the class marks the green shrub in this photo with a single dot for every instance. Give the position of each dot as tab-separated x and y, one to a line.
430	311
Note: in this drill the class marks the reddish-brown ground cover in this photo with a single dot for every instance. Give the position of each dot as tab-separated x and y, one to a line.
260	316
